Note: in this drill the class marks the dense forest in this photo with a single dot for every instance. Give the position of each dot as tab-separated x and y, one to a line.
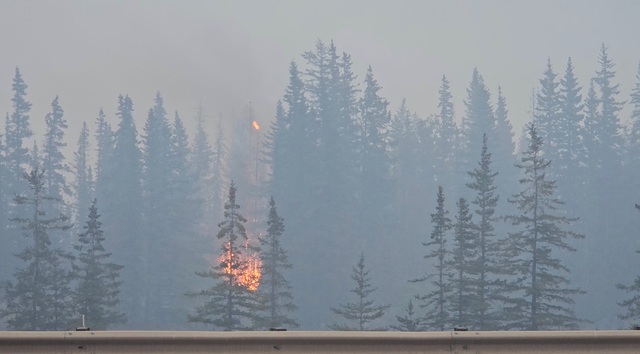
341	214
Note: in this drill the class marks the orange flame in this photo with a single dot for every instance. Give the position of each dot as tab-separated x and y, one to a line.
249	274
256	125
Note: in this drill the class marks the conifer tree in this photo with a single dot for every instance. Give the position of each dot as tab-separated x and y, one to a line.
503	149
17	131
228	304
53	163
274	289
604	136
570	149
122	213
410	322
40	297
18	128
540	295
201	158
479	119
435	301
158	219
83	184
97	291
445	137
547	108
465	297
182	239
376	187
488	257
104	138
362	311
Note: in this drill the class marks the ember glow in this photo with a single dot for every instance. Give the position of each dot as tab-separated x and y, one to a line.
248	273
256	125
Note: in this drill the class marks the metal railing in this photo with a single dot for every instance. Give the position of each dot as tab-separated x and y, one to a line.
320	342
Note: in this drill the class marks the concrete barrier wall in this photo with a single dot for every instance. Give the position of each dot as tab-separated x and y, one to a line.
320	342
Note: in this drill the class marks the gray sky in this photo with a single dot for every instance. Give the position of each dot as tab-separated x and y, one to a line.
227	53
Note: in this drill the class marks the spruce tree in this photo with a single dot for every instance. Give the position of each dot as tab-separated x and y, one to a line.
503	149
53	163
570	149
39	298
83	183
362	311
376	187
201	158
274	289
479	119
18	128
157	191
410	322
104	137
540	293
228	304
97	291
464	294
445	137
547	108
17	131
488	247
122	214
435	300
604	132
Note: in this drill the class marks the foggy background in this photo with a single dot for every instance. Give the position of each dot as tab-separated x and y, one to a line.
224	54
221	55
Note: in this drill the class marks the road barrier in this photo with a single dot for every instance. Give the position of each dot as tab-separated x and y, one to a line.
467	342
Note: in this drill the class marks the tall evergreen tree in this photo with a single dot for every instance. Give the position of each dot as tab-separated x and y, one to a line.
17	131
201	165
97	291
570	149
104	138
18	128
228	304
122	216
547	109
411	173
445	137
83	184
53	159
541	296
435	301
488	258
605	141
503	148
274	289
363	310
375	184
478	120
183	236
464	300
158	221
40	297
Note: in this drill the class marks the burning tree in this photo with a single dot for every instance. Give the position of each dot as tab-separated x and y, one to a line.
231	302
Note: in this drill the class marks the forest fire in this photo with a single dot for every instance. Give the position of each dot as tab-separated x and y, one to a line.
248	273
255	124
